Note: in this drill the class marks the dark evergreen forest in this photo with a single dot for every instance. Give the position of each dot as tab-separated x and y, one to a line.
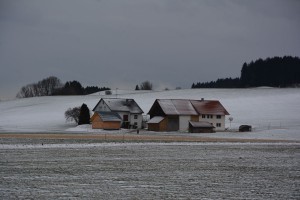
75	88
272	72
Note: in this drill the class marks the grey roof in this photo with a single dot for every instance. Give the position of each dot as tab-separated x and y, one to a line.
177	107
201	124
109	116
155	120
122	105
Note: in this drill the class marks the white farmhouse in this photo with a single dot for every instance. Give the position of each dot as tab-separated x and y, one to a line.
127	109
177	115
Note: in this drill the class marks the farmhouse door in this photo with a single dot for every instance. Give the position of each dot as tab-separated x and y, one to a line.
173	123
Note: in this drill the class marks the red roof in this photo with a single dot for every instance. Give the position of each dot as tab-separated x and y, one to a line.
212	107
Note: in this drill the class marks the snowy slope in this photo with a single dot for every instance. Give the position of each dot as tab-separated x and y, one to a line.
268	110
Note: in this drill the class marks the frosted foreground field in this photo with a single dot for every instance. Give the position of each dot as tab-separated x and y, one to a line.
274	113
30	170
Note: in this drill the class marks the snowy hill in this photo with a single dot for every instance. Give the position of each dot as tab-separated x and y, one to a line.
268	110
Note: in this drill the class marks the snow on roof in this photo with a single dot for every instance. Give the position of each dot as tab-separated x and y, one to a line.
155	120
177	107
121	105
109	116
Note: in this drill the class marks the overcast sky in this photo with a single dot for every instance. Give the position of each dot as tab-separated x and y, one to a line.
120	43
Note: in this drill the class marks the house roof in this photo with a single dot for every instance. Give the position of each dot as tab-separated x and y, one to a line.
177	107
155	120
201	124
212	107
109	116
121	105
190	107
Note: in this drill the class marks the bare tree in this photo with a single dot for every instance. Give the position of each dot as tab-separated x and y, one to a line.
146	85
26	91
49	85
45	87
72	114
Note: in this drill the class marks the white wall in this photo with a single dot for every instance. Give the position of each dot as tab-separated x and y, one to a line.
131	118
184	122
138	120
102	107
214	121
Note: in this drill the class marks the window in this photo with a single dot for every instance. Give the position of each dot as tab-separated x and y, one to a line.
203	116
207	116
218	124
135	123
211	116
135	116
218	116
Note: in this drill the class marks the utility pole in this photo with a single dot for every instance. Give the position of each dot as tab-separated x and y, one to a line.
230	120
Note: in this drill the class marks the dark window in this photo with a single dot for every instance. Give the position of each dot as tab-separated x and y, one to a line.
218	124
218	116
135	116
203	116
125	118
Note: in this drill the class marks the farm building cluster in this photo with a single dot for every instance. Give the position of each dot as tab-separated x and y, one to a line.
185	115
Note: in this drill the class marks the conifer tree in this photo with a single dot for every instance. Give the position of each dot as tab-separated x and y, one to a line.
84	116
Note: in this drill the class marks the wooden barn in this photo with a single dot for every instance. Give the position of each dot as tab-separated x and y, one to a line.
106	120
176	114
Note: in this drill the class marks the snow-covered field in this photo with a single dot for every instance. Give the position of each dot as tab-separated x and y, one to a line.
34	168
274	113
149	171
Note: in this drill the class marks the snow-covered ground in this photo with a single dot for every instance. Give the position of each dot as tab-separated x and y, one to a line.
274	113
149	171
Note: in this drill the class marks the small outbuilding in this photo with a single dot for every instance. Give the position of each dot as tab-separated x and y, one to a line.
157	123
106	120
245	128
201	127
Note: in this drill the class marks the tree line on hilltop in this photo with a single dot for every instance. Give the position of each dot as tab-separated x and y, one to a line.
53	86
273	72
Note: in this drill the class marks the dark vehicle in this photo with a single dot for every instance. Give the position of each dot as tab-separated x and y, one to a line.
245	128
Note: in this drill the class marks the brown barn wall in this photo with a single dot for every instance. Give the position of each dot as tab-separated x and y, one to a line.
195	118
153	127
163	125
159	127
111	125
97	123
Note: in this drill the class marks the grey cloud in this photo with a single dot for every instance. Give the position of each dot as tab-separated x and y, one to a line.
121	43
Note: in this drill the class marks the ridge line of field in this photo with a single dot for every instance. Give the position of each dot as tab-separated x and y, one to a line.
137	138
